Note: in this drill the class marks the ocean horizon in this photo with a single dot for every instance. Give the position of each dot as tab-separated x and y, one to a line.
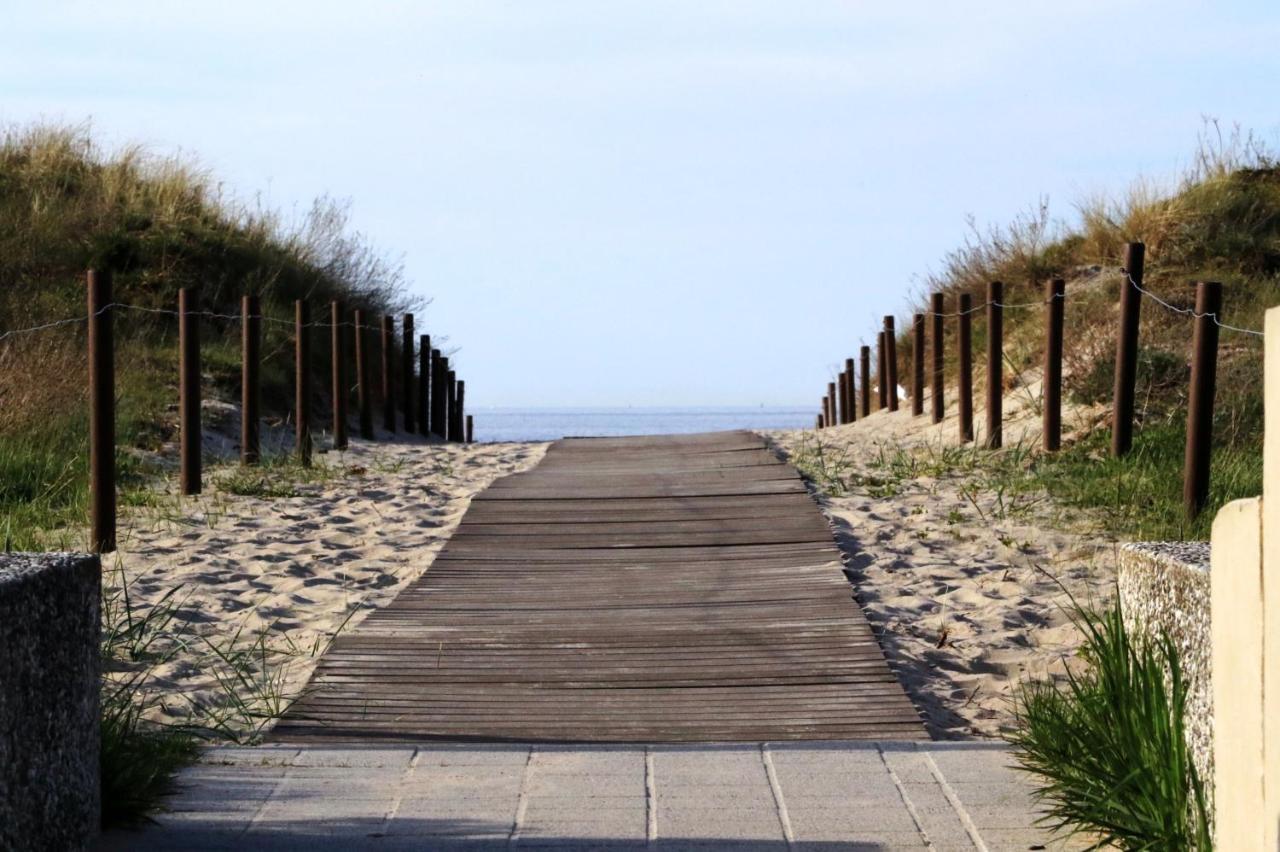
550	424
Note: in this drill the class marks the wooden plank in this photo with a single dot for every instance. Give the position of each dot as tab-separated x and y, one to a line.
660	588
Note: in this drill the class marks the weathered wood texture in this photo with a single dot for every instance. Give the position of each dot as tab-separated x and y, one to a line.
677	588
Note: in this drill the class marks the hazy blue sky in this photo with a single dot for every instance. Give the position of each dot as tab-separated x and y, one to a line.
660	202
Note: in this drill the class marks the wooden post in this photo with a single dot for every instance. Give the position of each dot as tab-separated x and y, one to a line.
995	365
825	411
1204	368
302	363
408	384
891	358
250	383
364	386
1127	350
882	374
424	385
917	365
471	430
189	391
340	385
842	399
451	402
459	412
388	380
864	375
936	308
437	394
1055	299
818	423
831	404
964	385
102	415
850	389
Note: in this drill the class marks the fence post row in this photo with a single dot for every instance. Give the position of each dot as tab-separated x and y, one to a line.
891	359
388	381
995	365
936	307
189	391
250	385
302	356
964	385
1204	367
424	385
1127	350
340	386
1055	300
407	383
917	365
102	414
364	369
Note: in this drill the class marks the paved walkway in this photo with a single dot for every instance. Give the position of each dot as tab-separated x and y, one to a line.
679	588
775	796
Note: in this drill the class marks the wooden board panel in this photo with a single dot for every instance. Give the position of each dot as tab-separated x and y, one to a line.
653	589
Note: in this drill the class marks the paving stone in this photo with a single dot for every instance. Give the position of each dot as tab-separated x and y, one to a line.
473	781
473	755
581	786
388	758
701	819
825	820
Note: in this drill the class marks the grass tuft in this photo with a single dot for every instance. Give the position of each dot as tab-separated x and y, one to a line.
1108	748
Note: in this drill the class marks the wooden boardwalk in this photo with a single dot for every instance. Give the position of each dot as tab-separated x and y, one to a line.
664	589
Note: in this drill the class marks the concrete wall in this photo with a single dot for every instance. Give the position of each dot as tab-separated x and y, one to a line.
1165	591
49	715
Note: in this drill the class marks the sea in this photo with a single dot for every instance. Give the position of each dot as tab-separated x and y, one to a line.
549	424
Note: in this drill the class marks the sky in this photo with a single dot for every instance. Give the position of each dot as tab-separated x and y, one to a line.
668	202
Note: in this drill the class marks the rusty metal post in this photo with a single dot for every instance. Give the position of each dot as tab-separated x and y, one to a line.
424	385
407	383
1204	368
302	363
964	384
340	386
1055	299
936	309
250	380
102	414
1127	349
437	394
917	365
364	378
388	379
190	440
471	430
864	376
995	365
891	359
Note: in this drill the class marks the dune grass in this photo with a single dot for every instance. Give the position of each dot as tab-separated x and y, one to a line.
1109	749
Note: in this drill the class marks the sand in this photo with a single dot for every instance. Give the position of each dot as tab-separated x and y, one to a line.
966	587
257	586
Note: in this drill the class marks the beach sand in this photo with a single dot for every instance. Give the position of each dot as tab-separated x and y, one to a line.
968	588
256	586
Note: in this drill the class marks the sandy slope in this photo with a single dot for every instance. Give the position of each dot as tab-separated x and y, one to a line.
290	570
961	582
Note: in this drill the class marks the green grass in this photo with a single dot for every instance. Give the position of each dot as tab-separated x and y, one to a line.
276	477
1108	748
159	224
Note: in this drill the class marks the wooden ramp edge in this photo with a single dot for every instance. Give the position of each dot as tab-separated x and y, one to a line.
655	589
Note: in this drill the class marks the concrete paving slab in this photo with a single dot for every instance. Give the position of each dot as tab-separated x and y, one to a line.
819	797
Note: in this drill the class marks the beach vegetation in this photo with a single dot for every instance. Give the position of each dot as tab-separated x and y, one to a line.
1107	746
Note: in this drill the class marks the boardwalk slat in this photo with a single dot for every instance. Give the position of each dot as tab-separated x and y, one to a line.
658	588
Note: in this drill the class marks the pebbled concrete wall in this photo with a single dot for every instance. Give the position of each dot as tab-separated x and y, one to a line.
1165	589
49	714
